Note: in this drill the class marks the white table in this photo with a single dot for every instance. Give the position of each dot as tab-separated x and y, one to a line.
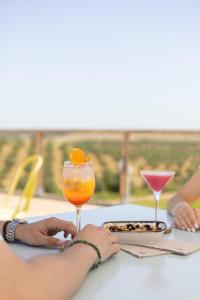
167	277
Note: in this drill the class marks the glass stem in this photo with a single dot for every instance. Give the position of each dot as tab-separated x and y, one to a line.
78	218
157	199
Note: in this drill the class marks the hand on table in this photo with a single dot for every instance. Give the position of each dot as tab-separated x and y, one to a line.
42	233
187	218
102	238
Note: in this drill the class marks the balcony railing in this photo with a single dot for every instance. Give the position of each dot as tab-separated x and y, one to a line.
124	134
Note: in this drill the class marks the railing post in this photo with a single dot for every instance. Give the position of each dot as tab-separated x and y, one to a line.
124	188
40	150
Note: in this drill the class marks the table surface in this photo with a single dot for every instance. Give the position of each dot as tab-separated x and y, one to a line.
167	277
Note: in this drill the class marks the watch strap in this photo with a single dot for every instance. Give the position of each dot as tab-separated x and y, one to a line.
9	229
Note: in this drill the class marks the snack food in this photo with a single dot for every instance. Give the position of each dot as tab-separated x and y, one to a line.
135	226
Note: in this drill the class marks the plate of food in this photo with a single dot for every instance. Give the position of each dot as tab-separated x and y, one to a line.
134	232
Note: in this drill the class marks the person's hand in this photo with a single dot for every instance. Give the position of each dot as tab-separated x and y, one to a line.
42	233
102	238
187	218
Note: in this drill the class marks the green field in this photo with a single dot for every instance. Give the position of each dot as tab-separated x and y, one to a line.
163	202
181	155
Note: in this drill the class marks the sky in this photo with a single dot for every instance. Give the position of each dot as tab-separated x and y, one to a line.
106	64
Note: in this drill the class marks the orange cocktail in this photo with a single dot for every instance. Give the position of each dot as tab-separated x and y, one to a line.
78	191
78	180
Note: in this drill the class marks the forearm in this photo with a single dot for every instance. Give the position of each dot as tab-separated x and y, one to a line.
191	190
188	194
63	273
52	277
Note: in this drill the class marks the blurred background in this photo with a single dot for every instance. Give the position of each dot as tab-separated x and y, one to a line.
119	79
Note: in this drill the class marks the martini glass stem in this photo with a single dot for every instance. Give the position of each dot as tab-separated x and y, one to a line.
157	199
78	218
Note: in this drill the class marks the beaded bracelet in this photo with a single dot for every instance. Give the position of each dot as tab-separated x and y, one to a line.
98	261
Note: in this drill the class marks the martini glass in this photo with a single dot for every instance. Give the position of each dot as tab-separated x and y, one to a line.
157	180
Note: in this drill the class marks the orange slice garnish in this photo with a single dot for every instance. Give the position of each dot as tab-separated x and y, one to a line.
77	156
88	157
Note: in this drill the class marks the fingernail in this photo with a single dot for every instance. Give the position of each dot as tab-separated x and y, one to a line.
193	230
59	243
182	228
188	229
196	225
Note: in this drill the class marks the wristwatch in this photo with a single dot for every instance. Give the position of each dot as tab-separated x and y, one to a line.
9	230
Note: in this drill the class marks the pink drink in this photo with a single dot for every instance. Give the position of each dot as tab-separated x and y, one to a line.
157	181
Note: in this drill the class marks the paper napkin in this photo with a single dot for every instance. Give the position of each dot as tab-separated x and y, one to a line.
174	246
141	252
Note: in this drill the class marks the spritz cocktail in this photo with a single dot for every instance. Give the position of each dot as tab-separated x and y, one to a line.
78	184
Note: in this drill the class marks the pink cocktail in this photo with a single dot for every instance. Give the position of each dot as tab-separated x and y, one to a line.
157	180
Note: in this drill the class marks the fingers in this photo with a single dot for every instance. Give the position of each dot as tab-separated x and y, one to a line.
191	216
186	219
66	243
115	248
57	225
197	214
46	241
52	242
189	225
180	223
114	238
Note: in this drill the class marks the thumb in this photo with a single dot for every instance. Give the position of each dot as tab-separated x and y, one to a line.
53	242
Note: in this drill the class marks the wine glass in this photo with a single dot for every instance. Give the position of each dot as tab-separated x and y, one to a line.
78	185
157	180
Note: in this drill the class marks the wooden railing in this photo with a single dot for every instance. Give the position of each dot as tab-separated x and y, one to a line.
125	134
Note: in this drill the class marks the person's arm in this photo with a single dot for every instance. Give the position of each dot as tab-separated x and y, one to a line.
42	233
53	277
180	207
1	226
